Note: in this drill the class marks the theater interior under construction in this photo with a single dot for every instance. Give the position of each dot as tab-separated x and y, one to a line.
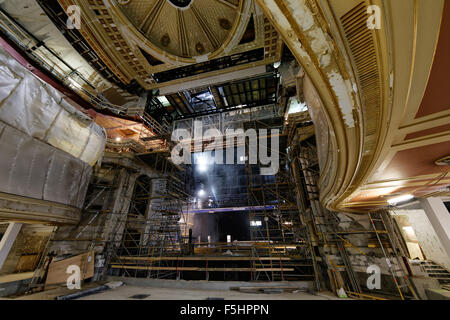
232	149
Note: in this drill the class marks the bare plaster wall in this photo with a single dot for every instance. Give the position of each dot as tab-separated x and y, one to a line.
426	236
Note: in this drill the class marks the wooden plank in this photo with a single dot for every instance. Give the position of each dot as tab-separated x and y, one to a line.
133	263
224	258
363	296
265	287
16	277
339	279
117	266
332	280
57	271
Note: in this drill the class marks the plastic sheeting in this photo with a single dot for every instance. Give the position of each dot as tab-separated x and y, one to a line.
39	110
32	168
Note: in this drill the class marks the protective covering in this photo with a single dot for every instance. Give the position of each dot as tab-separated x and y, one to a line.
39	110
32	168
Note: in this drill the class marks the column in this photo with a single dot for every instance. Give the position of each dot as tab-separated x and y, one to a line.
8	240
439	218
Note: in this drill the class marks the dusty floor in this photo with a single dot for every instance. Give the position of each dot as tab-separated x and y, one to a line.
126	291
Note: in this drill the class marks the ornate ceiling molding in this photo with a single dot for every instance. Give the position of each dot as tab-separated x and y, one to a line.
371	84
195	17
153	36
304	30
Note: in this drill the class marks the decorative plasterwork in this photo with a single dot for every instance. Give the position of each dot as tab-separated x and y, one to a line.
208	29
406	162
371	84
306	33
209	23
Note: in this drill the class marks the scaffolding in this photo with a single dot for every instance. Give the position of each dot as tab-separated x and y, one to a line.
155	247
155	225
278	230
141	222
337	242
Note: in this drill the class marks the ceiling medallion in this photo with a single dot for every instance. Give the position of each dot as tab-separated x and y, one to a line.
181	4
199	48
165	40
225	23
124	2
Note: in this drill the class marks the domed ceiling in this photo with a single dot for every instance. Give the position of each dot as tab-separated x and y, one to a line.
149	44
195	28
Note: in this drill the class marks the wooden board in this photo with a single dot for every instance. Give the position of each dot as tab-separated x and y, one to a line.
339	279
57	271
202	269
199	258
332	281
27	263
16	277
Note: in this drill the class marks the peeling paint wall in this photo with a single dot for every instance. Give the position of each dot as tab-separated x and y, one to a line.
315	109
321	47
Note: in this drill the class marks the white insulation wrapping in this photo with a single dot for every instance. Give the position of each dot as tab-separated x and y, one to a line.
34	169
39	110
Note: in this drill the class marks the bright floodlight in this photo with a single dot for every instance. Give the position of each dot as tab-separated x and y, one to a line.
201	193
202	163
401	198
255	223
118	139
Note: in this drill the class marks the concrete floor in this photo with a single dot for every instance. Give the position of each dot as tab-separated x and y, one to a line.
125	292
183	291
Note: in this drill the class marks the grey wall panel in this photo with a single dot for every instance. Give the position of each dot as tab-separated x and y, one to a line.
56	185
39	164
19	175
83	185
72	179
34	169
9	143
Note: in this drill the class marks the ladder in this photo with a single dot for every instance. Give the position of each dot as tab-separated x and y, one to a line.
43	260
401	280
325	223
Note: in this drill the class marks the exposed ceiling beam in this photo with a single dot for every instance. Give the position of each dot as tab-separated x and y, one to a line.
217	79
